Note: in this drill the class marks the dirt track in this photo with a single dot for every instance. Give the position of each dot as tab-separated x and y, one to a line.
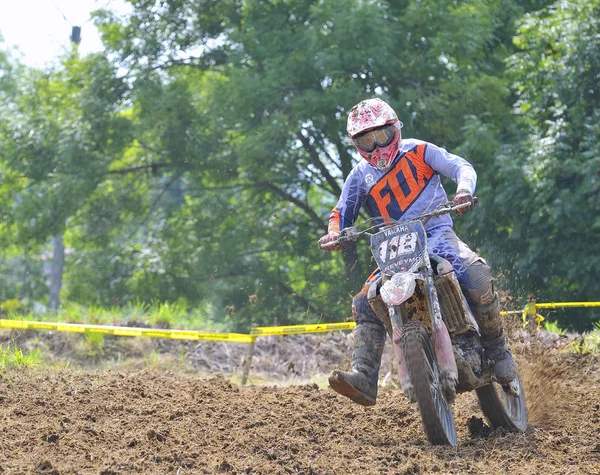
115	421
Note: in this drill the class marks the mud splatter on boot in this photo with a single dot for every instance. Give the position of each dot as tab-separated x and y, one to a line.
494	341
360	384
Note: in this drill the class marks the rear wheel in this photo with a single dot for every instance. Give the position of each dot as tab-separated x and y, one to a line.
508	410
436	412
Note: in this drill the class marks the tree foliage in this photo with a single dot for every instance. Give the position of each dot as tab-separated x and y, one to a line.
197	159
547	180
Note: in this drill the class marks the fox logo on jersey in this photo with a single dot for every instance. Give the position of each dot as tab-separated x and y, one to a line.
395	191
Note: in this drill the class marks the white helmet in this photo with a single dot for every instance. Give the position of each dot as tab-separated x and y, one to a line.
374	129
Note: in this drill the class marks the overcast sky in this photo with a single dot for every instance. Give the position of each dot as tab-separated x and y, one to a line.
41	28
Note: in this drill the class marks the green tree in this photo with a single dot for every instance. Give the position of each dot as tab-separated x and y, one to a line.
547	180
200	158
58	135
280	77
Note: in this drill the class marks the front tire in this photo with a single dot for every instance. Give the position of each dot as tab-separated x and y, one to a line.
436	412
509	412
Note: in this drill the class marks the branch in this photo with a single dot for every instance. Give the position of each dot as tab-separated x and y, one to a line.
303	206
316	161
224	275
153	207
270	186
152	166
345	157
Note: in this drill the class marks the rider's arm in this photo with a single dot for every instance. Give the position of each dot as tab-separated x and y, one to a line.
346	210
452	166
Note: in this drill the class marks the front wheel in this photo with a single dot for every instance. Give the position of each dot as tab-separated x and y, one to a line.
510	412
436	412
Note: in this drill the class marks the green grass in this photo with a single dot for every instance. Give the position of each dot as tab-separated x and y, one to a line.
92	345
591	340
588	342
176	315
11	357
167	315
553	327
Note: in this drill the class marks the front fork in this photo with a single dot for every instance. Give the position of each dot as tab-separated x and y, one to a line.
403	376
442	345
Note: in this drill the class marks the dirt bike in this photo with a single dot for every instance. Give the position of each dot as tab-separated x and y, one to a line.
435	336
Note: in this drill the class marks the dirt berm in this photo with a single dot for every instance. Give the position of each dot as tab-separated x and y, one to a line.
145	415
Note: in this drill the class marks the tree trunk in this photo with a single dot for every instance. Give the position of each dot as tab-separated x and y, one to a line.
56	271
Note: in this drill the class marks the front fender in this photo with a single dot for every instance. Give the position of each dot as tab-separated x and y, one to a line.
399	288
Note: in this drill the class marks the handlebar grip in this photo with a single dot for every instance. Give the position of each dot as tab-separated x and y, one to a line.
332	245
460	208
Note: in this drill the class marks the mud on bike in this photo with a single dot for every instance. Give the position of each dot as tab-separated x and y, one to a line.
435	336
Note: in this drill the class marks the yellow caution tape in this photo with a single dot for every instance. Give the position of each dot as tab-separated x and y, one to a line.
567	304
127	331
529	310
300	329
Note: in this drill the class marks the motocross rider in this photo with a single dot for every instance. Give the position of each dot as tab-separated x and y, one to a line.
400	178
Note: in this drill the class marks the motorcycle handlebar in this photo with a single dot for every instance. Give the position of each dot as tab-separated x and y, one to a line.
352	234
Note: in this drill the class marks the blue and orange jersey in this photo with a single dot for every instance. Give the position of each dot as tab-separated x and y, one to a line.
409	188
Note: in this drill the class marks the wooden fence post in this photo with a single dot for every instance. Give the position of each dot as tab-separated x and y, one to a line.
248	359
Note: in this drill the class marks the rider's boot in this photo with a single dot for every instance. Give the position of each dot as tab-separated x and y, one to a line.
493	340
360	384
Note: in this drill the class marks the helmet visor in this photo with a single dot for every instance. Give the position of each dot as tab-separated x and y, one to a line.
380	137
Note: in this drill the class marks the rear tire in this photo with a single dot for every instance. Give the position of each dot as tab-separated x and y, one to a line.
436	412
509	412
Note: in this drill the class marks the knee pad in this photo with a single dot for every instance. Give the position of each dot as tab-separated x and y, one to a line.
478	284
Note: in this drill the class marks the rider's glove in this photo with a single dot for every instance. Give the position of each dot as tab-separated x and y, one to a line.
461	198
329	242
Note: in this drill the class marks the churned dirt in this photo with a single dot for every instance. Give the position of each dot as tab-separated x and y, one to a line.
182	417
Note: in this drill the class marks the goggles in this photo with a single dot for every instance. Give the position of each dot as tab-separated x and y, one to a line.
380	137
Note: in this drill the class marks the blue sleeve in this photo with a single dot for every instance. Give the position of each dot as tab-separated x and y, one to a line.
452	166
348	206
